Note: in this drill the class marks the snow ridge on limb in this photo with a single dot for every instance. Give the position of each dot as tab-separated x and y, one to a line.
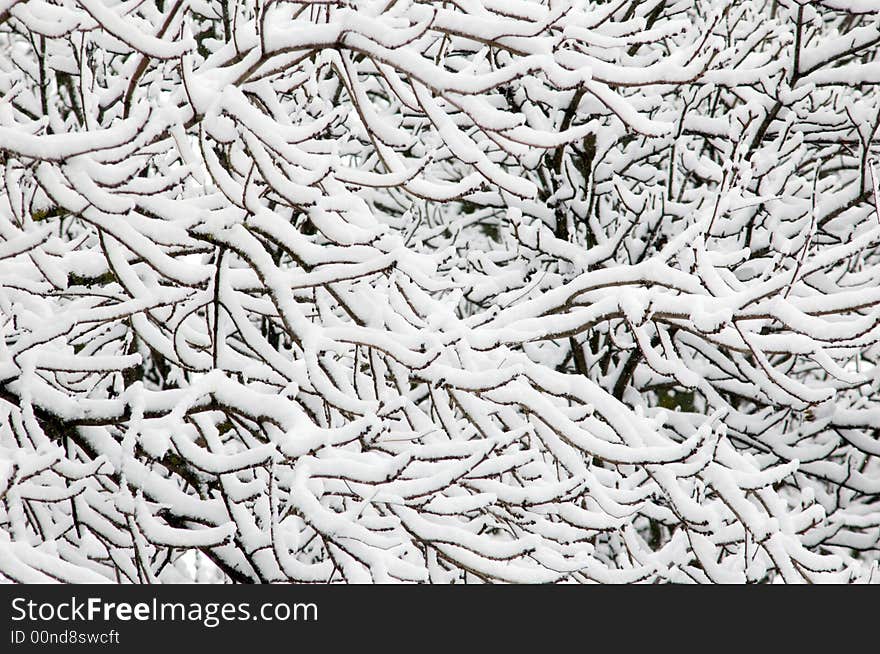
403	291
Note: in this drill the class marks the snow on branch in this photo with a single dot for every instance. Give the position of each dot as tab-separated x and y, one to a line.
501	291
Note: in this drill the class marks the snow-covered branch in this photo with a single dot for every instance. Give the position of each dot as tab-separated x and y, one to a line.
400	290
